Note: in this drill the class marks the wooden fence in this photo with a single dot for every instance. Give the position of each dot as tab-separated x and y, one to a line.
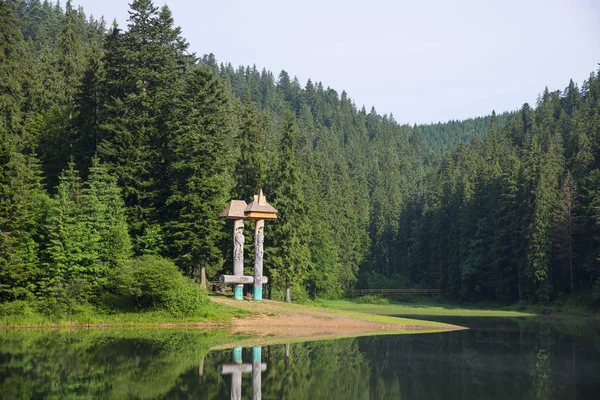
396	292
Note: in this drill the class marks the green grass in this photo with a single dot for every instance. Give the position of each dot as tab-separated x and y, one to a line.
383	318
421	309
89	316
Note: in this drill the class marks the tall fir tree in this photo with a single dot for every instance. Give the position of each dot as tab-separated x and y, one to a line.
289	235
144	67
199	174
250	166
12	55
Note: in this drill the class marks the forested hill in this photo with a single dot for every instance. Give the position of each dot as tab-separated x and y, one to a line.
451	133
118	144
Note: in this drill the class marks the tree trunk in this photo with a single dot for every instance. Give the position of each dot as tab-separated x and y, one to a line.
571	264
288	297
520	282
203	277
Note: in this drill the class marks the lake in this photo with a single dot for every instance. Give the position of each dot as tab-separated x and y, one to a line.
498	358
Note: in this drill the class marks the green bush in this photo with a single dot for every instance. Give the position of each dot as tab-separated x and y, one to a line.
155	283
17	307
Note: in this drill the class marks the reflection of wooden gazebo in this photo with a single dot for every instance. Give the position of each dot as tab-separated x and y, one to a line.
237	369
258	210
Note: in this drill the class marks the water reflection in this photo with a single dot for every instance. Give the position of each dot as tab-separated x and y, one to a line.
496	359
238	368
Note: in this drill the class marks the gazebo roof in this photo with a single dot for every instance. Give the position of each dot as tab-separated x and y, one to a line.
234	210
260	207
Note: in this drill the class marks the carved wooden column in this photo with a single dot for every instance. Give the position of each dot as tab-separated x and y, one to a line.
259	211
238	256
259	240
235	211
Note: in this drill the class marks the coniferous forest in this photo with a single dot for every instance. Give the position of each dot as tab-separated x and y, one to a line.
119	149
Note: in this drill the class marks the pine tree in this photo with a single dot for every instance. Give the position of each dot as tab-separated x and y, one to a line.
86	235
290	255
144	68
199	174
71	253
566	227
86	120
250	166
545	195
104	210
591	205
11	63
70	59
21	202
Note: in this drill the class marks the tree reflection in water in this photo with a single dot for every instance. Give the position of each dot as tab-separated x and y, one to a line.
496	359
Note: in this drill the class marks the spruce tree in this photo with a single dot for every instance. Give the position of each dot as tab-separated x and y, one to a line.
250	166
86	119
71	253
289	235
566	226
104	210
11	64
70	61
21	203
144	67
199	174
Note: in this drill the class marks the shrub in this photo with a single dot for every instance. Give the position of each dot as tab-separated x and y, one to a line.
17	307
156	284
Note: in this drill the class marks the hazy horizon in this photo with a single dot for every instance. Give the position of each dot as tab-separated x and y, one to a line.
423	62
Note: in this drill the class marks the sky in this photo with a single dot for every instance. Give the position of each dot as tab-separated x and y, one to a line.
422	61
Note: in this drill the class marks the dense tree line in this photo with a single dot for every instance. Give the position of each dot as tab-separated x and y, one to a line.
451	133
118	143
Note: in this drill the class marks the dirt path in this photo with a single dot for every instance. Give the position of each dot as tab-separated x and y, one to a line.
294	321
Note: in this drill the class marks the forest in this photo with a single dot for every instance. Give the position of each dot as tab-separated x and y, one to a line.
119	148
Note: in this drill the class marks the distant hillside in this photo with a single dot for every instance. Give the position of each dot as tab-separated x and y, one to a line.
444	134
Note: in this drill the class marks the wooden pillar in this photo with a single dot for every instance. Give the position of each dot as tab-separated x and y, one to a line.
238	256
259	239
256	373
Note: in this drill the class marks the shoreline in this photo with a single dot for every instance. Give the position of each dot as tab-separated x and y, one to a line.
269	319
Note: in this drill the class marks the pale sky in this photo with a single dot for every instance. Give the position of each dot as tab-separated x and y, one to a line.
422	60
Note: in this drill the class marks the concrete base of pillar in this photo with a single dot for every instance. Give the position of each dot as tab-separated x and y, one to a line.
238	292
257	293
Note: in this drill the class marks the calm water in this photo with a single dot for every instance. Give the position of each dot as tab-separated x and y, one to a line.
526	358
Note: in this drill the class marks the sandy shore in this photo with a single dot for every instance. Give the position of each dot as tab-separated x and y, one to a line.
293	321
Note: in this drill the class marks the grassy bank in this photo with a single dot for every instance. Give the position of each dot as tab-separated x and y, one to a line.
562	308
424	308
220	312
28	317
